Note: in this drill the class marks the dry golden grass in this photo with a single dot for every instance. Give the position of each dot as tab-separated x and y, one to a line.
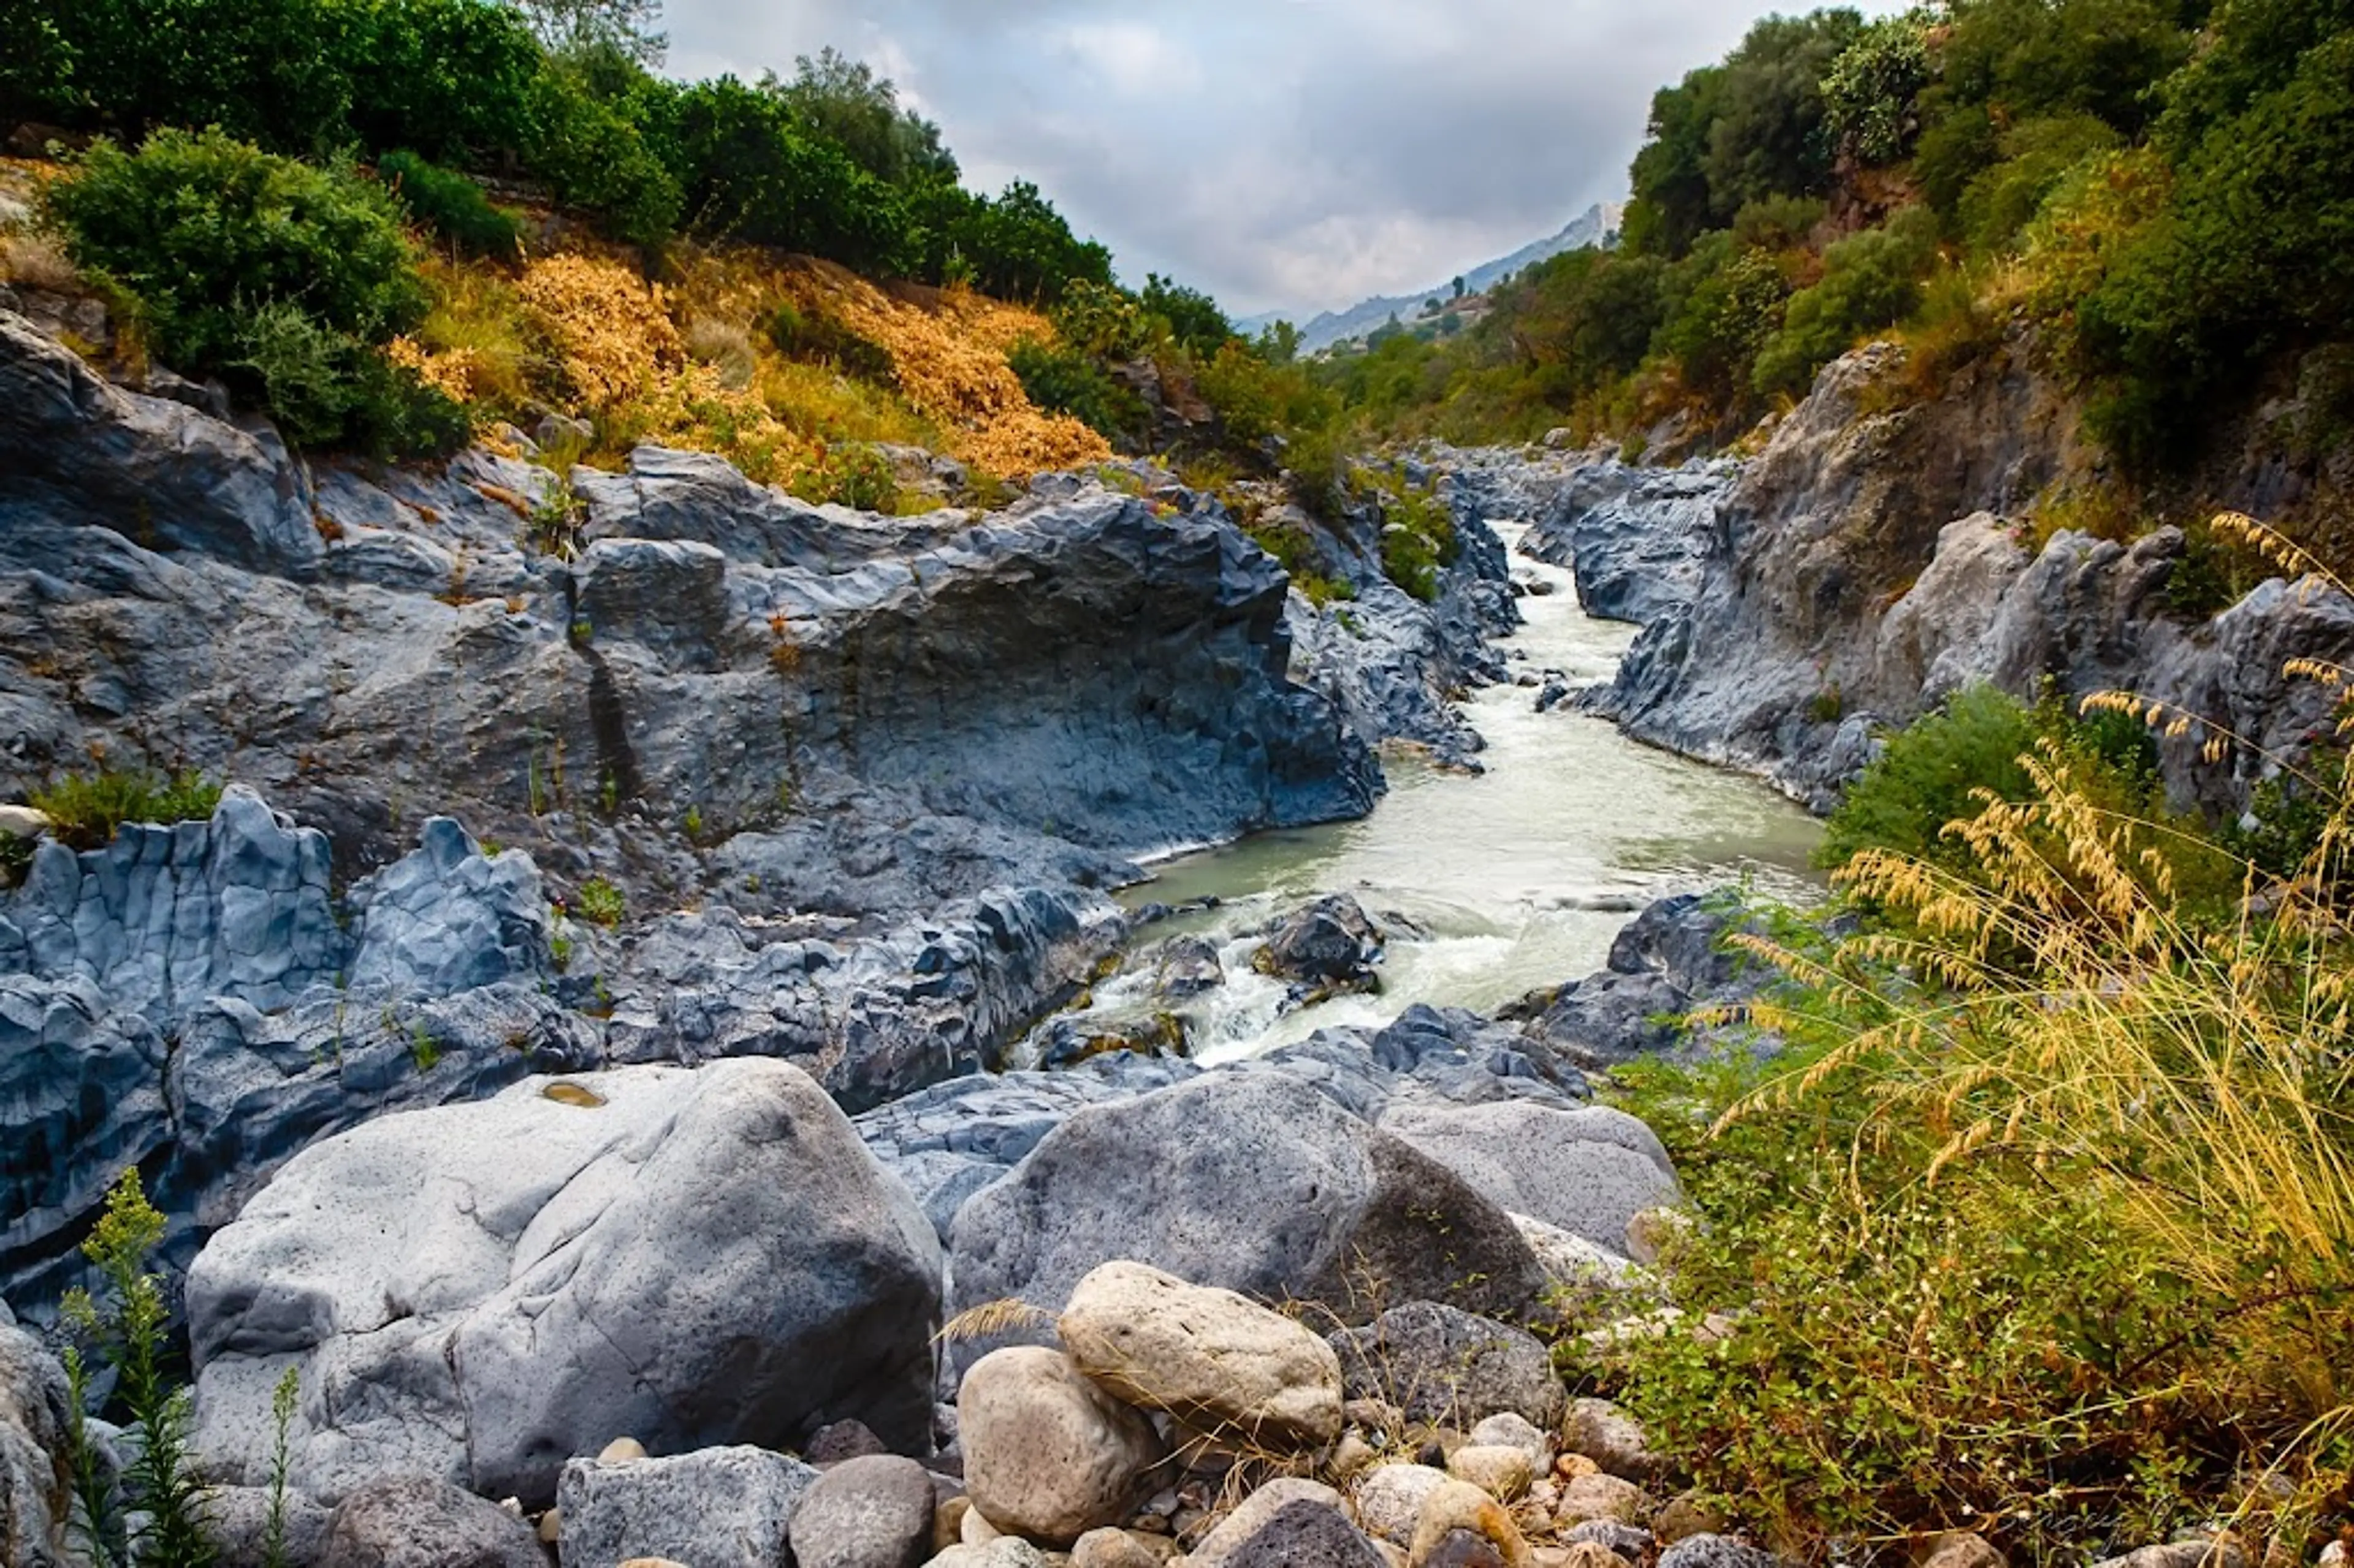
35	261
475	343
689	364
609	332
2201	1078
950	363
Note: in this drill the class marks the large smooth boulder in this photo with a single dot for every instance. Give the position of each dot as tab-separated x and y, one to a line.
1449	1367
1219	1362
34	1475
480	1292
1251	1181
1047	1454
719	1507
411	1521
1586	1172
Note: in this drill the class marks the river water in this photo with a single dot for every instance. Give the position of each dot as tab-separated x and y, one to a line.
1518	878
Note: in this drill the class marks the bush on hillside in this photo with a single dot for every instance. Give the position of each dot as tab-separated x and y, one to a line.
452	205
1066	381
2037	156
1723	305
284	279
204	229
1871	281
1943	767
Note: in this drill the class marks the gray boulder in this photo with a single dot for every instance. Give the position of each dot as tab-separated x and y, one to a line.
716	1508
414	1522
1448	1366
1637	538
874	1511
478	1292
222	937
201	484
1671	959
35	1467
1286	1523
1332	942
1717	1551
1250	1181
237	1518
1586	1172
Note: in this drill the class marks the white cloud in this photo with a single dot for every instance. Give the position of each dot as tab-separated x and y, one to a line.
1133	58
1290	153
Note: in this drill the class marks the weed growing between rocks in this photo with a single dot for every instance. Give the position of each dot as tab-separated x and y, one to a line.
282	1401
86	809
156	1520
601	901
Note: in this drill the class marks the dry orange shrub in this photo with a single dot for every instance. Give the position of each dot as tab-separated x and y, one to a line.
611	332
450	372
952	365
615	348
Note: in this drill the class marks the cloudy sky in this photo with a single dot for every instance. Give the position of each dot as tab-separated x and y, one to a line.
1282	154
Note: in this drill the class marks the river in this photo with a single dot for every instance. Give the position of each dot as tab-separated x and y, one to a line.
1516	878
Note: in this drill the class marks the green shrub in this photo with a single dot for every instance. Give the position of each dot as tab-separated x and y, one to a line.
1722	304
1291	547
1870	281
1931	773
1909	1355
452	205
278	277
203	229
600	902
1418	536
1069	382
819	336
854	476
86	809
2036	156
324	389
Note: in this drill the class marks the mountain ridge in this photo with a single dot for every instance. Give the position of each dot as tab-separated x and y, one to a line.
1591	227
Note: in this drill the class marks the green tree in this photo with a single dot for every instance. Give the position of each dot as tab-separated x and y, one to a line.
1769	136
844	100
1193	317
623	26
1870	92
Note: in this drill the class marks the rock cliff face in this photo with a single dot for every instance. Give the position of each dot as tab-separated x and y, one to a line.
870	713
860	778
1868	564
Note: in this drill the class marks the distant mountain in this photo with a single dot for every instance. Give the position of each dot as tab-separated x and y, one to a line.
1589	227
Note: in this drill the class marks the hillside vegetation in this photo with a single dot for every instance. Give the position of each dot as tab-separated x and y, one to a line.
395	224
2157	192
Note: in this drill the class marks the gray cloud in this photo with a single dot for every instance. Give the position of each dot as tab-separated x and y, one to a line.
1281	153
